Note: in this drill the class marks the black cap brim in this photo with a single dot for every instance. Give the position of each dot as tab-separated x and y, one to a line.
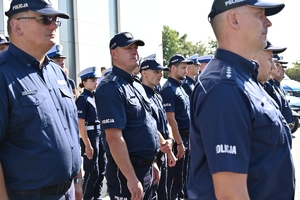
271	8
130	42
51	11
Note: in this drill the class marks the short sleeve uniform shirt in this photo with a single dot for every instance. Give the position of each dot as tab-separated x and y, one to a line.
120	105
176	100
237	127
38	123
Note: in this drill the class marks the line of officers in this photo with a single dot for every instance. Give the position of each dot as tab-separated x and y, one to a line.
145	126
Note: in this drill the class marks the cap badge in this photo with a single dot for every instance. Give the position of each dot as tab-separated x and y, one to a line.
128	35
19	6
230	2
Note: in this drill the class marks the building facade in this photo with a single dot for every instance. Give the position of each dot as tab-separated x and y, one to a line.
85	36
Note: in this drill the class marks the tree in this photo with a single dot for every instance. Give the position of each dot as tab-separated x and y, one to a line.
170	42
174	43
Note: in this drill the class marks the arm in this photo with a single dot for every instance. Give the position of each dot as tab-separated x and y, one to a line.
78	187
83	134
229	185
2	185
119	152
176	135
166	147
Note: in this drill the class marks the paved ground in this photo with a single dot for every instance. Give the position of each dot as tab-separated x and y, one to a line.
296	157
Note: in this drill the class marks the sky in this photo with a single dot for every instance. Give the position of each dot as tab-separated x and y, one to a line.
190	17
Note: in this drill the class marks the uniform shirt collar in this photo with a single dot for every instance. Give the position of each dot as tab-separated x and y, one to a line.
88	92
121	73
148	90
27	60
236	60
174	81
189	79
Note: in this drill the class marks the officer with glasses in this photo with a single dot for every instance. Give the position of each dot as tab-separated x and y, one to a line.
39	143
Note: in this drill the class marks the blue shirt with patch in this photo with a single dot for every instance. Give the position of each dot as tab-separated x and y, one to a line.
188	85
177	101
237	127
86	107
159	111
121	105
39	140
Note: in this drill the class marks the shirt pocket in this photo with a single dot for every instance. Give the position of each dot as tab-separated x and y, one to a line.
68	102
134	108
34	104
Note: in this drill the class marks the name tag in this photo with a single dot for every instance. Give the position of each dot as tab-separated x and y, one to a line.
29	92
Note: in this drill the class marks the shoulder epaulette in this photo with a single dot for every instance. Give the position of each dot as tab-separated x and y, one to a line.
228	74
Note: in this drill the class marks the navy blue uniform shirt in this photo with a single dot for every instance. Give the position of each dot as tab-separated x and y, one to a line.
159	111
86	107
188	85
237	127
39	140
274	89
176	100
121	106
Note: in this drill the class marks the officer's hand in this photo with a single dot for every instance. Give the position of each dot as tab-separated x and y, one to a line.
156	174
136	189
78	191
89	151
171	159
165	147
180	151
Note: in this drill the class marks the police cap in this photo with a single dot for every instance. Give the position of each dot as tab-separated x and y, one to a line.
124	39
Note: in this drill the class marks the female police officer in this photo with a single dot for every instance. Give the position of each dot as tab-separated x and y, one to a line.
92	148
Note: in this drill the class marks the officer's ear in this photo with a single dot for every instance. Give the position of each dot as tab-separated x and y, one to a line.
113	53
16	26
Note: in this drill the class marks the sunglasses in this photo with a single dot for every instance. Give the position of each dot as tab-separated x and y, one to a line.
46	20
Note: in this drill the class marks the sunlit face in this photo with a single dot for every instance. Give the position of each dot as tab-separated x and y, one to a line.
37	34
193	69
3	47
278	72
90	84
60	61
126	57
151	77
179	72
254	25
266	64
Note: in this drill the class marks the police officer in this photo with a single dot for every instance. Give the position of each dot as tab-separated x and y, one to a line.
91	141
277	75
203	60
240	142
3	43
177	106
265	59
55	53
188	83
126	117
151	72
39	143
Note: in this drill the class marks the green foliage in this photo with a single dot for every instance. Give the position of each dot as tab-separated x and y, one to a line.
174	43
294	72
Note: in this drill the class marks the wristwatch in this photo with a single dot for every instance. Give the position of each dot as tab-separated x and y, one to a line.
79	180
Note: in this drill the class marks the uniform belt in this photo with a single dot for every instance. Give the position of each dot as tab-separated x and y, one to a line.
136	161
92	127
184	132
50	190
